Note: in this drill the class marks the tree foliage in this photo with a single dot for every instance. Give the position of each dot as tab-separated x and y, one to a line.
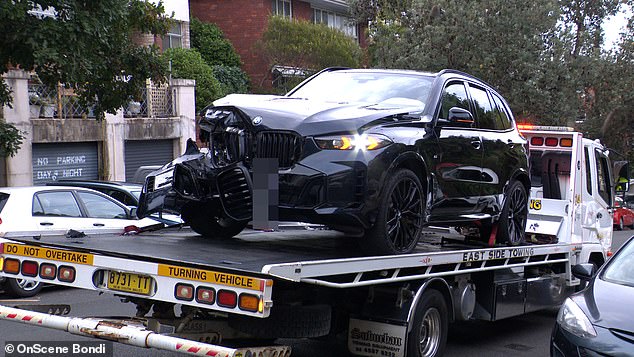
86	45
209	40
545	56
232	79
189	64
300	43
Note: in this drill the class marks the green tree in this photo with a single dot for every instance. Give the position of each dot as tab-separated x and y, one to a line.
209	40
86	45
188	63
302	44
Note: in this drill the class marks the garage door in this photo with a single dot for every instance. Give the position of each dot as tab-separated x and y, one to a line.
146	152
64	161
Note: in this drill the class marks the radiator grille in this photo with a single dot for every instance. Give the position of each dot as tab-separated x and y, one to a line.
285	146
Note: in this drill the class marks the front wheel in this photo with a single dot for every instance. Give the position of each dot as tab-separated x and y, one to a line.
400	216
204	222
428	336
512	223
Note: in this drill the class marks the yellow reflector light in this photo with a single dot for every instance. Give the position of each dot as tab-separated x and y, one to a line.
184	292
48	271
66	274
248	302
205	295
11	266
565	142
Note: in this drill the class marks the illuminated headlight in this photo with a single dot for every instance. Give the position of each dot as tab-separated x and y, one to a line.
572	319
351	142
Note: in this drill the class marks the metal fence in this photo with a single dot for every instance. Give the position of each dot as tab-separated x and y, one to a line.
62	102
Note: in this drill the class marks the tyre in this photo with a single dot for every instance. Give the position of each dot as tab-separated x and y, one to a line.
428	337
207	224
22	287
286	322
400	216
512	223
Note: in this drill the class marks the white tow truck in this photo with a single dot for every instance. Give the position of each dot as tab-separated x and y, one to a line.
310	282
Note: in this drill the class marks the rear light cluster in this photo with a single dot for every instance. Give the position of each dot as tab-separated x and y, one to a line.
551	141
46	271
223	298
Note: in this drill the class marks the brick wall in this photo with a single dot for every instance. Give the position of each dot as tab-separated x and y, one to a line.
302	10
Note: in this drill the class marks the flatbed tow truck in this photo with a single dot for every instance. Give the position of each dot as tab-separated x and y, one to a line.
312	282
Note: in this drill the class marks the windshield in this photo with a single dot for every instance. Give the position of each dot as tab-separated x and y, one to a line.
621	267
366	87
136	194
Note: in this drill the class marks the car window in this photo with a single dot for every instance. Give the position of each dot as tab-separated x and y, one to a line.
502	114
603	178
487	117
122	197
454	95
101	207
57	203
621	266
4	197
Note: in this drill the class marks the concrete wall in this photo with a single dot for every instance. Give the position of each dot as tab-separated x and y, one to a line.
110	134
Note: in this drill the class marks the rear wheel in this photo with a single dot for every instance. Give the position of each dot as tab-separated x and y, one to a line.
512	223
428	336
400	218
22	287
204	222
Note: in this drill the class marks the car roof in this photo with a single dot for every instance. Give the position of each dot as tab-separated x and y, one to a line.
32	189
97	183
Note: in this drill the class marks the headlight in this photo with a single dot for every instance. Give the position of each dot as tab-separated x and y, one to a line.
572	319
351	142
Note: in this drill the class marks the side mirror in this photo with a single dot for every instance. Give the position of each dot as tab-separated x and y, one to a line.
460	117
133	213
584	271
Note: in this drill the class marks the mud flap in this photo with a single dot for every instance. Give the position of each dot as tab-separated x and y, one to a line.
376	339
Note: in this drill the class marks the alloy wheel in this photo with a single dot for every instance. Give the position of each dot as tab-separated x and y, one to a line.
405	215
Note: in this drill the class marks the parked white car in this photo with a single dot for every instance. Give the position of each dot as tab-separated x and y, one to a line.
45	210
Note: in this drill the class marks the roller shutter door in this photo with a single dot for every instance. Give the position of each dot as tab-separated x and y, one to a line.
65	161
146	152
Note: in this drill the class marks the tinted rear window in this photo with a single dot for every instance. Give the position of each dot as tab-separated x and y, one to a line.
4	197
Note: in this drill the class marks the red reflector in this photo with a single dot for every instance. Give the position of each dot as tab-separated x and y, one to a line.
537	141
205	295
552	141
11	266
565	142
227	298
48	271
29	268
66	274
184	292
609	254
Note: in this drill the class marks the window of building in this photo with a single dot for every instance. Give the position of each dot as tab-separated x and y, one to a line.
282	8
337	21
174	37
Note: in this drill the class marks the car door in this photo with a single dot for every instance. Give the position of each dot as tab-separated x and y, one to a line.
56	211
104	212
457	168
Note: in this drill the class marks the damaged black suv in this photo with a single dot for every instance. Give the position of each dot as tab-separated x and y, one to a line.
375	153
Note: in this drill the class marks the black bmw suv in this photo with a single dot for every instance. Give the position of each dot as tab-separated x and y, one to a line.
375	153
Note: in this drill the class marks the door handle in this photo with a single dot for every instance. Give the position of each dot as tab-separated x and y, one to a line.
46	224
98	224
476	144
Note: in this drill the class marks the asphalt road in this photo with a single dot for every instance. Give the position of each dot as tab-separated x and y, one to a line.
526	335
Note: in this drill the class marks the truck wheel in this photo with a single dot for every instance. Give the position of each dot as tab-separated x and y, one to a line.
400	217
286	322
22	287
207	224
512	224
428	336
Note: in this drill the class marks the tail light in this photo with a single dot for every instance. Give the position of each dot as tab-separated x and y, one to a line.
205	295
184	292
29	268
66	274
248	302
11	266
227	298
552	141
48	271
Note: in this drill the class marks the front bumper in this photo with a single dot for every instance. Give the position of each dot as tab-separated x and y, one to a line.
606	343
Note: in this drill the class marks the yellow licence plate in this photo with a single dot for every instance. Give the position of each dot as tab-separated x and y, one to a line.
128	282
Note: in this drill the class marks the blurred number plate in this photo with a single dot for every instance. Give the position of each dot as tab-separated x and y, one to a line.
163	180
132	283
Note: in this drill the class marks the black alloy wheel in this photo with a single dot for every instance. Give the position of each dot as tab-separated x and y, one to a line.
400	217
512	224
202	221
